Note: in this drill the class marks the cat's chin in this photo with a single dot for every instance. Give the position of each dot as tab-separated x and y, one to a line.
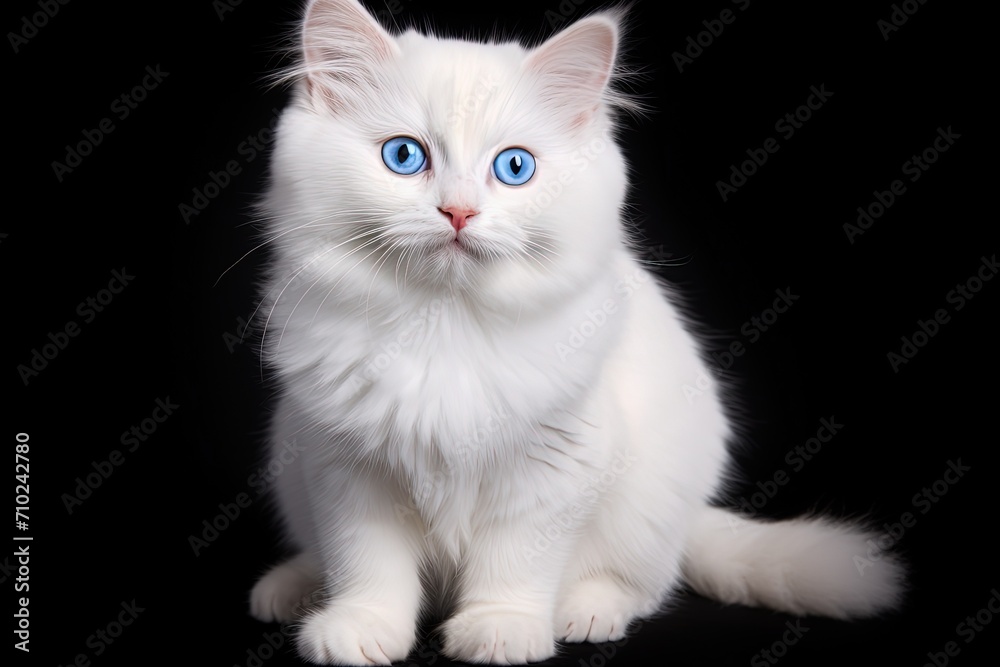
456	256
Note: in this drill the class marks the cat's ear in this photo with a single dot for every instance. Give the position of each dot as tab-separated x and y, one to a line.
575	65
342	46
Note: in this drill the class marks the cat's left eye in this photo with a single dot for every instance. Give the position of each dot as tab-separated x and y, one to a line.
514	166
403	155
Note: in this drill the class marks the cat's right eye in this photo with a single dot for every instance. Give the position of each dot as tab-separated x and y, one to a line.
404	155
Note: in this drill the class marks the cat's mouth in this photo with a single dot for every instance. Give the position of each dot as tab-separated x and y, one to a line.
461	247
458	243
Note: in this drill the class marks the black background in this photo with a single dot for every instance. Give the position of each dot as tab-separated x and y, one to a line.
170	332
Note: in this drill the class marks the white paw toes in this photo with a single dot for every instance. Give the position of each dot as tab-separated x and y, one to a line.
598	610
343	634
490	635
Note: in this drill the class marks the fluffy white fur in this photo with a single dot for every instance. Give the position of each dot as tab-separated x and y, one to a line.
493	417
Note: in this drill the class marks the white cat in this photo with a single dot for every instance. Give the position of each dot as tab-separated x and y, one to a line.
486	384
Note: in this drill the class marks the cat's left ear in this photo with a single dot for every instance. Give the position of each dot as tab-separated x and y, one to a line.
575	66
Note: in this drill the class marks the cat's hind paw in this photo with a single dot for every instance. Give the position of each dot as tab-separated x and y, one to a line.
598	610
284	590
489	635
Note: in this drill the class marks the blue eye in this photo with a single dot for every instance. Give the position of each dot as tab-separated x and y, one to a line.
403	155
514	166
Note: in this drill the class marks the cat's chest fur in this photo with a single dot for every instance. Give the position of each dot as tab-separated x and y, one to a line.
440	382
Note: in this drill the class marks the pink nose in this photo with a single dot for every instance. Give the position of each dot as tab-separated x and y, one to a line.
457	216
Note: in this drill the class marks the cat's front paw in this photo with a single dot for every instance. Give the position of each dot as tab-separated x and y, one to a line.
342	634
498	635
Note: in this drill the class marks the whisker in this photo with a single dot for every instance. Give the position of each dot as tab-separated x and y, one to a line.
323	221
296	274
378	265
314	283
262	301
330	291
258	247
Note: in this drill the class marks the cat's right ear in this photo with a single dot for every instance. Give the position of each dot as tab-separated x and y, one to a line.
576	65
343	47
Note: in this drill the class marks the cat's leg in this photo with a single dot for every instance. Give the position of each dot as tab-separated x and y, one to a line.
506	600
629	559
370	561
289	586
630	556
623	572
510	574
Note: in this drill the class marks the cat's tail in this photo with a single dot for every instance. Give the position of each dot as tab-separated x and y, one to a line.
801	566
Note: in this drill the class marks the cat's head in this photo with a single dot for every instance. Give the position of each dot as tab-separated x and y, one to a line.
415	162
